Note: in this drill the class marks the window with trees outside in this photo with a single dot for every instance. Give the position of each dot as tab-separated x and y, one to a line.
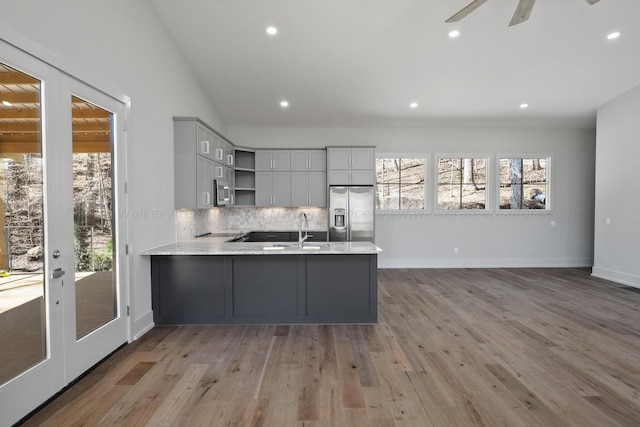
400	183
523	183
462	183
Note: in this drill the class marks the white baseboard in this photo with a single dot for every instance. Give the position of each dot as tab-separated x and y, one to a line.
616	276
142	325
485	263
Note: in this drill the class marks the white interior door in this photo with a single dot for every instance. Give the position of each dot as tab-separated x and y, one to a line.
53	324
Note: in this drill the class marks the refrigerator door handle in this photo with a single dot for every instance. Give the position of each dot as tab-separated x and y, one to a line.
347	216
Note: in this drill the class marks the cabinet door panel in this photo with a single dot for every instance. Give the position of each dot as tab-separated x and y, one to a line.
299	160
362	158
281	160
207	142
203	142
218	149
229	154
204	182
264	189
338	286
339	177
317	160
300	189
265	286
317	189
263	160
362	177
229	176
339	158
188	289
282	189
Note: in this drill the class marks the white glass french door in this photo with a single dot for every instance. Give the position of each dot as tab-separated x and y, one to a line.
93	244
62	258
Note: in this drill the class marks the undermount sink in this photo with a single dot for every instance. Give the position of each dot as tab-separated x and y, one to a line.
281	246
315	247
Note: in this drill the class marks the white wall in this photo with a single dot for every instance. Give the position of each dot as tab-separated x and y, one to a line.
561	238
617	245
121	45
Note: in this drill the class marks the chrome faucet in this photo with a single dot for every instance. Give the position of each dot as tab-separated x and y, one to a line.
302	238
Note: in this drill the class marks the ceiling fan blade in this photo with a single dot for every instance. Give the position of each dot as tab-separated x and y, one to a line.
466	10
522	12
592	1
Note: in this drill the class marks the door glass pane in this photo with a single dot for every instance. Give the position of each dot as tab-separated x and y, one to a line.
22	306
93	216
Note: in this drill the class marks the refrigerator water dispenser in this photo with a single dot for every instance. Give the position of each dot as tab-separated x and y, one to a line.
339	217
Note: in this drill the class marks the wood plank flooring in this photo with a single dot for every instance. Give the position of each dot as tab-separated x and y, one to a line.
455	347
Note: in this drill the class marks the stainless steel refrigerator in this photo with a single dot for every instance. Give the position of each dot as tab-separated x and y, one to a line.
351	212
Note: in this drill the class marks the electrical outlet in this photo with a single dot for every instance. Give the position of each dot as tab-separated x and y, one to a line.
607	220
455	250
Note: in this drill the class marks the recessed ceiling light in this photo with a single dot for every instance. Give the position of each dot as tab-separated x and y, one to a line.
613	36
272	31
413	105
284	104
524	105
7	104
453	34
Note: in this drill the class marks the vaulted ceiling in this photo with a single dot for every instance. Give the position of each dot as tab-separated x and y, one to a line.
362	62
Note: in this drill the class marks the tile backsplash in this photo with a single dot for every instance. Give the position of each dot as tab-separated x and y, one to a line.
190	223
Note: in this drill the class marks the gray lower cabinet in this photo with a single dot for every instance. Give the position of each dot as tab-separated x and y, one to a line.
188	289
264	289
327	295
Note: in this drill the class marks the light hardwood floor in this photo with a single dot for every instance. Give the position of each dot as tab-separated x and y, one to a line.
463	347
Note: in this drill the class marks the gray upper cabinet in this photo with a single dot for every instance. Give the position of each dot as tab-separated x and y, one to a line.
273	189
229	154
308	160
273	160
351	165
199	158
339	158
205	171
309	189
309	178
206	141
219	150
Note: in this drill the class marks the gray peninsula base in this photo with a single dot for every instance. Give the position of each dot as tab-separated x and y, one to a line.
258	289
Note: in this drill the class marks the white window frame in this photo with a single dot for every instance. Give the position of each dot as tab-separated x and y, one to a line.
489	206
549	210
427	188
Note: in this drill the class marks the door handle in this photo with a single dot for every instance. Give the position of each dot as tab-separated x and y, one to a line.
58	272
205	147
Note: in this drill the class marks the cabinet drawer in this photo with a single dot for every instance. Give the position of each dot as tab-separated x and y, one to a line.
316	236
269	236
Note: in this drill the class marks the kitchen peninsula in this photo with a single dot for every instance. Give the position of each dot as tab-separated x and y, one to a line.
212	280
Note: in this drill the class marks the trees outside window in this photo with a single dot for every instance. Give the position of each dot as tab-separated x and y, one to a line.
523	183
462	183
400	183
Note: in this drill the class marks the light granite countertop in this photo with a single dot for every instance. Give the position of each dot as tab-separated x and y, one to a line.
216	245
